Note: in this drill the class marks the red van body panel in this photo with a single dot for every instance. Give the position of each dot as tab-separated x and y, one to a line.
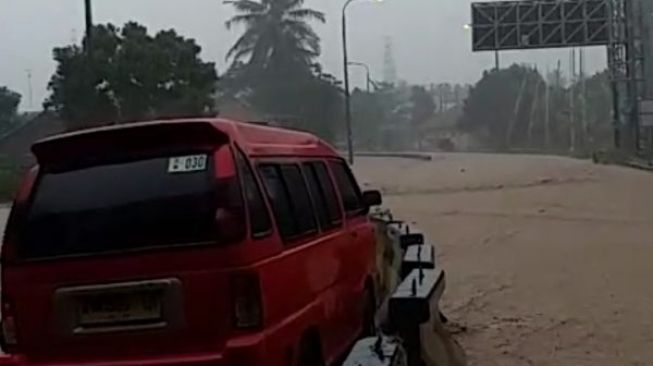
314	284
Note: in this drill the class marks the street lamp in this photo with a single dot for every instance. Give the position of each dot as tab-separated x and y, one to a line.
367	71
350	141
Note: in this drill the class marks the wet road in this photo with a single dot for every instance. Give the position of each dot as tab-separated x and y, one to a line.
547	258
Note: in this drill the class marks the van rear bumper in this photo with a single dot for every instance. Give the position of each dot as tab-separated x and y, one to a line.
243	351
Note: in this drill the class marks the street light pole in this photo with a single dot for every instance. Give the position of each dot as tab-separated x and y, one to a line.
496	60
345	64
89	23
367	70
350	142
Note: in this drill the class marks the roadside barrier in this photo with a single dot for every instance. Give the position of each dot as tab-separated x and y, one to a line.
409	318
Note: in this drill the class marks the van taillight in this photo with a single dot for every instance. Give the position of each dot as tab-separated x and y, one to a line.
9	337
16	217
246	301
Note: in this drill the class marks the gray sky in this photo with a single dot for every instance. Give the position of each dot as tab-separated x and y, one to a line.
430	44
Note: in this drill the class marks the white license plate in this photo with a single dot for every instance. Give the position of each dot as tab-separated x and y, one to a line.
110	309
189	163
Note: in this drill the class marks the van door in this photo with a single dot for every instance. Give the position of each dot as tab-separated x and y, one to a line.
359	258
330	219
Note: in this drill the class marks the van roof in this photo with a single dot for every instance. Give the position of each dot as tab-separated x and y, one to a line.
256	139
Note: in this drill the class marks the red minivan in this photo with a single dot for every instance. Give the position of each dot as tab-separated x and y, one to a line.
187	242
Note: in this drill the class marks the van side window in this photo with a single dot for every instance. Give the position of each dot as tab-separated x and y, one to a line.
349	191
258	213
279	199
289	198
323	194
300	200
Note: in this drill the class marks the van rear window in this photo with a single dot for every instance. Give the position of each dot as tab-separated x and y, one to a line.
155	202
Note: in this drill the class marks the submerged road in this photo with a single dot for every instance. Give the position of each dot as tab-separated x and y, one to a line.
548	259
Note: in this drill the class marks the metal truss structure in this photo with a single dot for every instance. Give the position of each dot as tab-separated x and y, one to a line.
514	25
627	73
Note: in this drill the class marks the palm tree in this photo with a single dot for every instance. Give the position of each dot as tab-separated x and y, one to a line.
277	34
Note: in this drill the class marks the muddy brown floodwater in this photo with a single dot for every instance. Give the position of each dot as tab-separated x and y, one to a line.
548	259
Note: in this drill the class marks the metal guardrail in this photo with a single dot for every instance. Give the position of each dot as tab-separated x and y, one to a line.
413	310
417	257
380	351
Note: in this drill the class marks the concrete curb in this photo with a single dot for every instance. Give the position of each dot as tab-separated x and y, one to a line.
640	164
415	156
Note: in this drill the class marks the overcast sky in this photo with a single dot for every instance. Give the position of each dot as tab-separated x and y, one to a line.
429	41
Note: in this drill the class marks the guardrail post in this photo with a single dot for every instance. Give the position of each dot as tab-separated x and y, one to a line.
412	305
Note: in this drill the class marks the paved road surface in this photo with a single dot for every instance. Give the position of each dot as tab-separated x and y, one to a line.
548	259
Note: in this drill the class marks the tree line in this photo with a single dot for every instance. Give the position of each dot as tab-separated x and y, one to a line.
519	108
127	73
9	102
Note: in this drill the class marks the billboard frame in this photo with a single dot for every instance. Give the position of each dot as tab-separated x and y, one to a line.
524	24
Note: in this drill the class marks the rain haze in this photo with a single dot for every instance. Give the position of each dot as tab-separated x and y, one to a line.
254	237
429	42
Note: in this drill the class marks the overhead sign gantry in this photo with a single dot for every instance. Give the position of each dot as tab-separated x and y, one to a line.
620	25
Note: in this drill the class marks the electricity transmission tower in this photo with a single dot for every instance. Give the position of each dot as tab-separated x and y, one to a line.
389	66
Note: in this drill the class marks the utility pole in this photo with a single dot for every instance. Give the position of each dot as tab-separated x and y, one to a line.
89	23
532	116
572	107
583	94
496	60
547	115
632	35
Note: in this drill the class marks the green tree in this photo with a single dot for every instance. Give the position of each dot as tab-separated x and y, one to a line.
274	67
423	105
369	115
498	108
129	75
599	131
9	101
277	35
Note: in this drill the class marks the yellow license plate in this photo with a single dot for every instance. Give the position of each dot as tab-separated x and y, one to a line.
119	309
